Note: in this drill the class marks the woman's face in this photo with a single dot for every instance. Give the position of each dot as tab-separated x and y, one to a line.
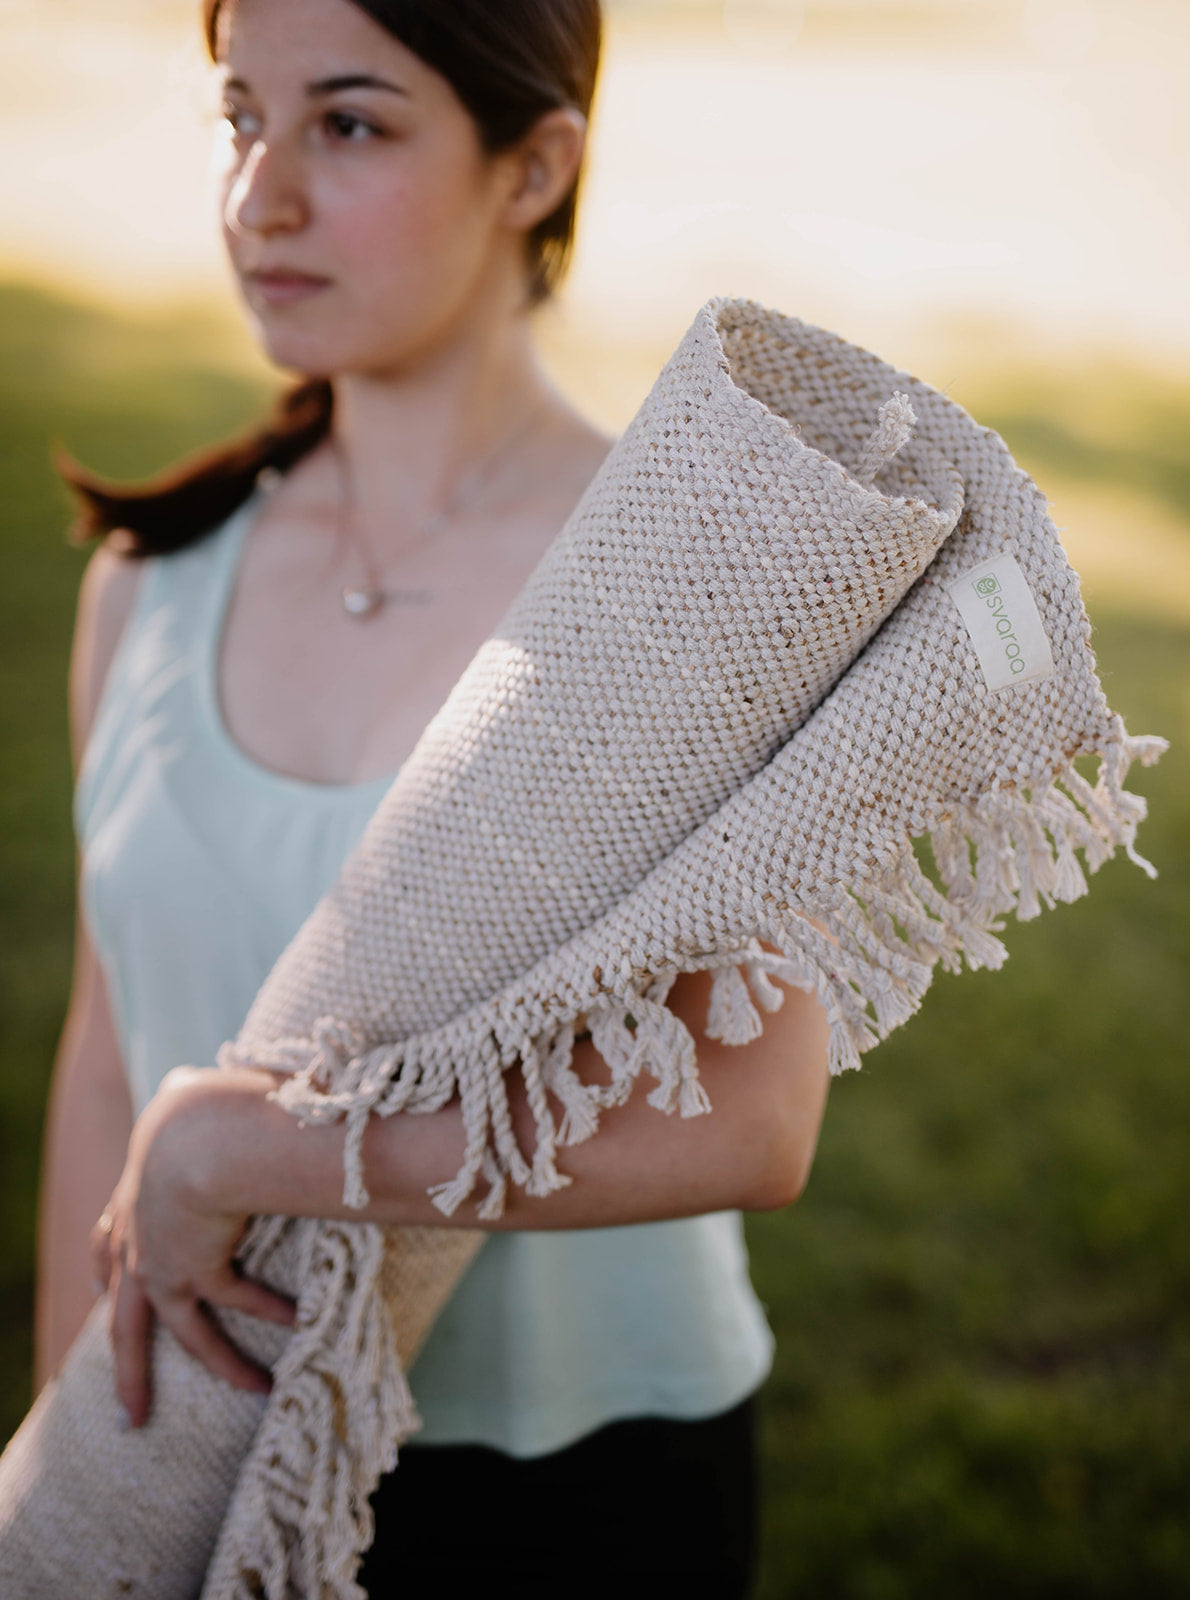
360	213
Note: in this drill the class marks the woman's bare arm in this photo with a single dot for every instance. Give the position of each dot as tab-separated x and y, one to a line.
87	1129
211	1148
89	1118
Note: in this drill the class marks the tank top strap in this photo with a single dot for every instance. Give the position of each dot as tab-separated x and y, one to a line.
173	626
195	582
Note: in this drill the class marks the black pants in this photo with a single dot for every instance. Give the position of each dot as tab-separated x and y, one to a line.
647	1507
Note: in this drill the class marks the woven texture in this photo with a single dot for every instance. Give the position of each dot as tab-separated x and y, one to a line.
730	698
87	1510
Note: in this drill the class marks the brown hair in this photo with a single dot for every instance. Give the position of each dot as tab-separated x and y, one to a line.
508	62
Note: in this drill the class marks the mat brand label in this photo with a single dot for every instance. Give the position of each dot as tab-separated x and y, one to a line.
1002	619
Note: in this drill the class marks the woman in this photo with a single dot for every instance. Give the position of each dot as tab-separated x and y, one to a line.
256	653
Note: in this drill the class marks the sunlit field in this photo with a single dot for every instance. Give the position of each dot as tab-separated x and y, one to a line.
982	1302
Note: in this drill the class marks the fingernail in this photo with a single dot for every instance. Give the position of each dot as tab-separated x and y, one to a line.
123	1419
98	1288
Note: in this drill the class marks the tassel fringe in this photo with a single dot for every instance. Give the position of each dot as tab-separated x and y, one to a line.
342	1405
867	950
894	425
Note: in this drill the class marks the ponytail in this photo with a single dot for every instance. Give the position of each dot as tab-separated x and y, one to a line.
189	499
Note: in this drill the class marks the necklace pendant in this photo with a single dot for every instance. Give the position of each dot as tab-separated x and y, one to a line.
362	600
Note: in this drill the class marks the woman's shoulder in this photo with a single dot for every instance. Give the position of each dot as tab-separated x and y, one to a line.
111	583
586	444
571	451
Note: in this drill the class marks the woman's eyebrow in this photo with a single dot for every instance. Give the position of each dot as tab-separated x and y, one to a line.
353	80
346	80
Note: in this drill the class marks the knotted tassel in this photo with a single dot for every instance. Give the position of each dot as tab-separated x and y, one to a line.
895	422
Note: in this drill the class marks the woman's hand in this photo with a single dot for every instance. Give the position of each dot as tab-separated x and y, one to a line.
162	1249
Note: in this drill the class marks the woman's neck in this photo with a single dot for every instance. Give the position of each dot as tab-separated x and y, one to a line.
453	419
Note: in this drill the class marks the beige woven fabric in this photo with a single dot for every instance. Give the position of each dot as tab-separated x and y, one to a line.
88	1512
735	691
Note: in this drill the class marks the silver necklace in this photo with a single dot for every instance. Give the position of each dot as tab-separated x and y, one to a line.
363	600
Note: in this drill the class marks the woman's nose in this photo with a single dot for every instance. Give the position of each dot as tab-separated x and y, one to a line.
266	195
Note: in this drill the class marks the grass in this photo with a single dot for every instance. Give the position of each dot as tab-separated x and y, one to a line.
982	1302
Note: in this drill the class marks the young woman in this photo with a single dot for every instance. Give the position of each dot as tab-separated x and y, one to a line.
261	638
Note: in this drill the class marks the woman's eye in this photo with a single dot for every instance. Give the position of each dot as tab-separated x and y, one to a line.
242	123
346	125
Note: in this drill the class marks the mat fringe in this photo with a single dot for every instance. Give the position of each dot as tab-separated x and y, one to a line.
867	950
301	1517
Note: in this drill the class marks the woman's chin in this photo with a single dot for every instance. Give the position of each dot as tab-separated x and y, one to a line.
329	357
296	351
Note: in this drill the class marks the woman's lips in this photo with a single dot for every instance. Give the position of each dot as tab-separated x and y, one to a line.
282	288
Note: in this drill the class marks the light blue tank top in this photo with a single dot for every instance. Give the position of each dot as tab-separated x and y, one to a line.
198	866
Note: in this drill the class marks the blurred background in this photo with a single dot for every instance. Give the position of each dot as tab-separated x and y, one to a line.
983	1300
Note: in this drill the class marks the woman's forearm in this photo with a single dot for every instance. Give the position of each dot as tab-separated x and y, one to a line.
245	1154
87	1129
212	1149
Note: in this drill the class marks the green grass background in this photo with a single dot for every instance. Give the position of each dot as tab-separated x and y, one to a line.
982	1302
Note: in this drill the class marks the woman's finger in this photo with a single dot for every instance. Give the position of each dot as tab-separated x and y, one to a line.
131	1325
194	1330
100	1246
243	1294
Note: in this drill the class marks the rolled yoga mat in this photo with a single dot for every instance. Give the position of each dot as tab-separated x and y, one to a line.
806	613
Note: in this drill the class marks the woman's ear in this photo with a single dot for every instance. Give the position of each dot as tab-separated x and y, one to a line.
546	161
